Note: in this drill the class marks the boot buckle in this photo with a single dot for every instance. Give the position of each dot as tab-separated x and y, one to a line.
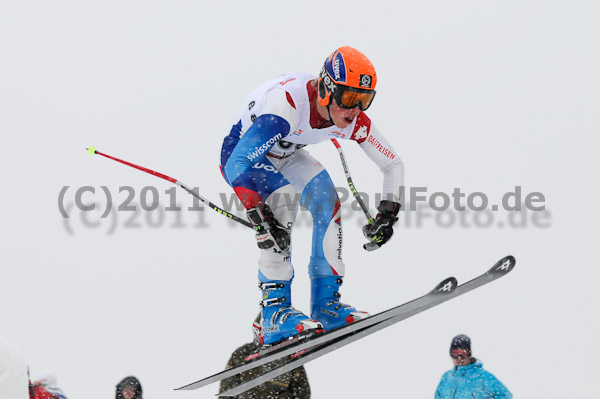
271	301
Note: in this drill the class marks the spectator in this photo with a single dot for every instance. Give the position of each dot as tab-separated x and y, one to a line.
291	385
129	388
44	387
468	379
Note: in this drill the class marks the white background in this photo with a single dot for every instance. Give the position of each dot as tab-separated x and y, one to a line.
483	96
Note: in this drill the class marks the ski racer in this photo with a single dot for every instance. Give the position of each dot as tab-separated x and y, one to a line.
264	161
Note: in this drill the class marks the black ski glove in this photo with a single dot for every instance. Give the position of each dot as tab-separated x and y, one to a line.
270	234
381	230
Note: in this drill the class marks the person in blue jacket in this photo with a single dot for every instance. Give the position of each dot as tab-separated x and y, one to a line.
468	379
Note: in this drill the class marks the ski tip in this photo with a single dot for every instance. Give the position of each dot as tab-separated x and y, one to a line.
503	266
446	286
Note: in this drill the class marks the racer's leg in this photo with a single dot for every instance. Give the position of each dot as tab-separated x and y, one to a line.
264	183
326	268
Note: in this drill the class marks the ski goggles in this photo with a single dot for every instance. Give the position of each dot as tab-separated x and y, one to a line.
350	97
456	353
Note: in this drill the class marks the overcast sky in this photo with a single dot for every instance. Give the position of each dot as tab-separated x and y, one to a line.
481	96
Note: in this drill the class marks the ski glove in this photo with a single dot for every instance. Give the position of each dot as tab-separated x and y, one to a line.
381	230
270	234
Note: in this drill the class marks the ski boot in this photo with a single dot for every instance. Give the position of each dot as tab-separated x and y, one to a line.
326	306
280	320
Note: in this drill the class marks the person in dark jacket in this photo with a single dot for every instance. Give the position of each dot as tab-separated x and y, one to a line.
468	379
291	385
129	388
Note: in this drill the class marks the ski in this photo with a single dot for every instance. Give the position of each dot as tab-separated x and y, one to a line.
501	268
303	342
320	344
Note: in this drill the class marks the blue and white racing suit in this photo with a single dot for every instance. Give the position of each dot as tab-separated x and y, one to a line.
264	161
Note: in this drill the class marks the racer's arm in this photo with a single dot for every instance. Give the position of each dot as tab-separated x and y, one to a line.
380	151
275	121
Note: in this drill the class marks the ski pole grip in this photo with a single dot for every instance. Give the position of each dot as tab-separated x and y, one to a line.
371	246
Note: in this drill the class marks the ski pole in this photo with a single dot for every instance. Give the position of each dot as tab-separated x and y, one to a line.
92	150
370	246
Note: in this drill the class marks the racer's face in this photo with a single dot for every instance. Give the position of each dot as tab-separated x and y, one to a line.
342	117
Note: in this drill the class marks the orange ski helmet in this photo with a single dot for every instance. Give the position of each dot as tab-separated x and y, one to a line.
349	77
